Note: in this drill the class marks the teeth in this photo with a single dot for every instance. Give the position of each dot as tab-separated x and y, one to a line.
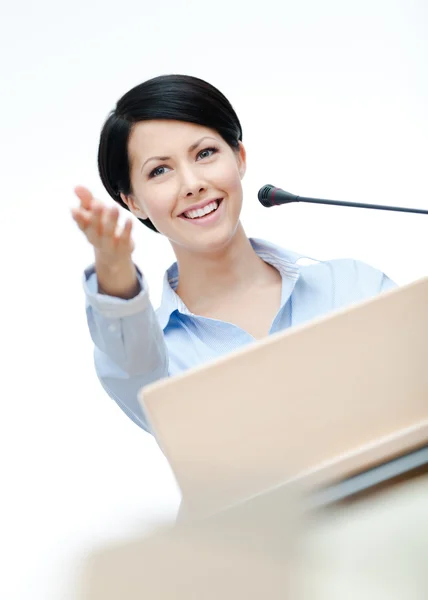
200	212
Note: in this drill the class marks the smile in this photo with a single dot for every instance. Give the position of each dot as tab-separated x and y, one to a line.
201	213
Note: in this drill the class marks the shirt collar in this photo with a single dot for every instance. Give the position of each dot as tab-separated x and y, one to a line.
283	260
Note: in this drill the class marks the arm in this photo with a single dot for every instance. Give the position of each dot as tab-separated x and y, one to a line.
130	350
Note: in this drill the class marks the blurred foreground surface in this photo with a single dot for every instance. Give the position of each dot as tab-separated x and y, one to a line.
375	547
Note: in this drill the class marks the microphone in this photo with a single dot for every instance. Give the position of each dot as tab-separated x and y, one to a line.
270	195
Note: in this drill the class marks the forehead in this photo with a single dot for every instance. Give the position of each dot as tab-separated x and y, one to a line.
166	137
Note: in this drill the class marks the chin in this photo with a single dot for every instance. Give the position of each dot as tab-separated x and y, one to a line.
207	241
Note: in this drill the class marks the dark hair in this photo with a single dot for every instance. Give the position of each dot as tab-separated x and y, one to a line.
175	97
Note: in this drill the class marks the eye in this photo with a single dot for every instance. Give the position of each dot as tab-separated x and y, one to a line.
158	171
207	152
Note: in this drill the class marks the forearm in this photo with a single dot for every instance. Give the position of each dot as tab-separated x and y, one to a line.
130	350
118	279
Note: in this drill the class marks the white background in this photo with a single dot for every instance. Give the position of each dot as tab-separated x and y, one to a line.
332	96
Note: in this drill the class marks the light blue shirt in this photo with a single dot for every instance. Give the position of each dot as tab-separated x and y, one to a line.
136	345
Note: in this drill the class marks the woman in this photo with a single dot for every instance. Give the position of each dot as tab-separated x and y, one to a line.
171	153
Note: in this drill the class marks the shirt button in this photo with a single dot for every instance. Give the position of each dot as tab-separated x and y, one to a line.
112	328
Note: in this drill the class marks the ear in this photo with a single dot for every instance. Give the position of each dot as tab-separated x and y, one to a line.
130	202
242	160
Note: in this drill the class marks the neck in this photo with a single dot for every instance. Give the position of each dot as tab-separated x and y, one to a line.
232	269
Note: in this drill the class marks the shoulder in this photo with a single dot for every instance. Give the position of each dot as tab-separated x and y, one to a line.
348	269
346	280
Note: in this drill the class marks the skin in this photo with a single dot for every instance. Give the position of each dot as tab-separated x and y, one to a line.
220	274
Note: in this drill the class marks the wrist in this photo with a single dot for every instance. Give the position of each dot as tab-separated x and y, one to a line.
114	265
117	278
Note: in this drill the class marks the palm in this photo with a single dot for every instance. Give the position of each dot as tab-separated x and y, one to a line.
100	226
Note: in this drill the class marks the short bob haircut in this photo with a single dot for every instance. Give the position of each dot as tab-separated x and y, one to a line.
173	97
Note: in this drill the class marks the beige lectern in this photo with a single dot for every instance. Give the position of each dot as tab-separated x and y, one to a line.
302	460
318	403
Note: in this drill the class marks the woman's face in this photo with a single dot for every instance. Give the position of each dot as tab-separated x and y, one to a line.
187	180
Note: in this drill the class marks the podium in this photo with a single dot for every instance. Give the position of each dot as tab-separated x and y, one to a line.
319	404
303	465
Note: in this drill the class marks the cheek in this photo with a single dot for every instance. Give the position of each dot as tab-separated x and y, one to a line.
228	178
156	200
160	202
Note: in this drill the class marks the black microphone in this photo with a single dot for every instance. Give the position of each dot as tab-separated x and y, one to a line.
270	195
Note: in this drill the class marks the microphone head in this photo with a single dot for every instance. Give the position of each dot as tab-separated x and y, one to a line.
264	195
269	195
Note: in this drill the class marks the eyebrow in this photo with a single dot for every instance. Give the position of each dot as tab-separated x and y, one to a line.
191	148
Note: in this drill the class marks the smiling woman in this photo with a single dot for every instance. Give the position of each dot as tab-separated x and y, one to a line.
171	153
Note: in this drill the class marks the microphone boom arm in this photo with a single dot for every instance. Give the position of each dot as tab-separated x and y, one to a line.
360	205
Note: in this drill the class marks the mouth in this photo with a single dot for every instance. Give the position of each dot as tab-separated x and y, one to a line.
199	214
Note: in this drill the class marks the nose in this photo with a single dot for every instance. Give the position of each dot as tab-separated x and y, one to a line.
191	183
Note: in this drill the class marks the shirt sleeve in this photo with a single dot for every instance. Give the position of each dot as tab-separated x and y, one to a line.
130	350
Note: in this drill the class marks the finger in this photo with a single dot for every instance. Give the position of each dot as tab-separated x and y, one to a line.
96	220
109	221
126	233
85	197
81	217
